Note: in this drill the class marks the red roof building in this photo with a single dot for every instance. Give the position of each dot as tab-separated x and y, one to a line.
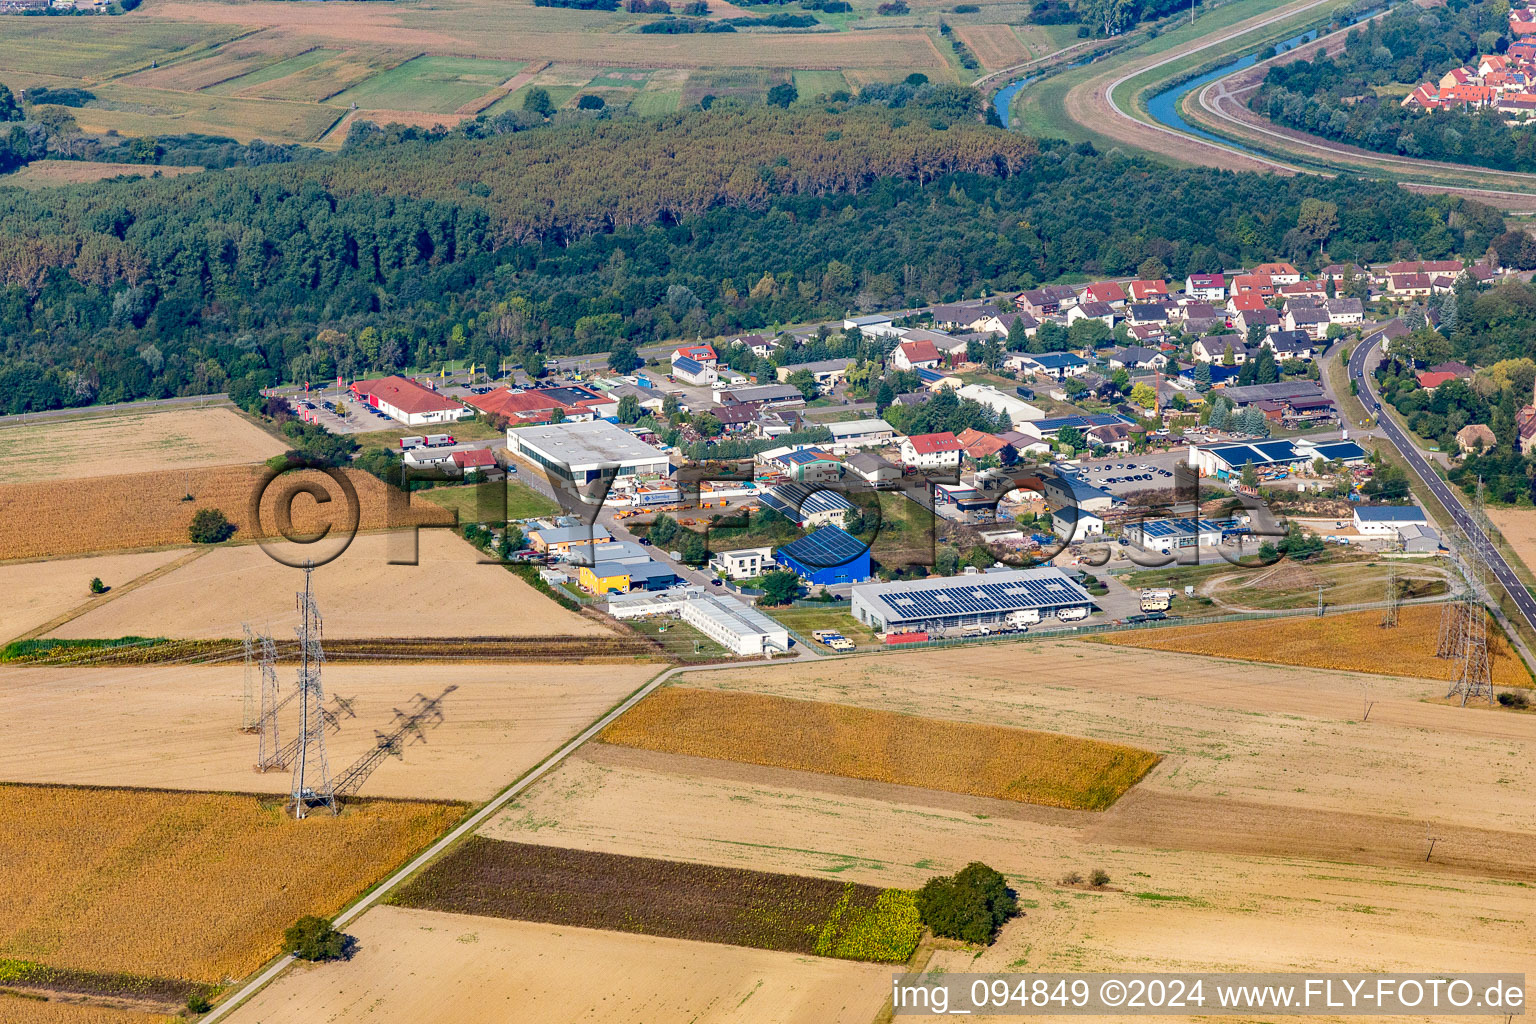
1428	380
912	355
473	459
405	400
1111	292
1255	284
702	354
1141	291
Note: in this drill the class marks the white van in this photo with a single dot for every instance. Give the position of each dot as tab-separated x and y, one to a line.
1024	617
1074	614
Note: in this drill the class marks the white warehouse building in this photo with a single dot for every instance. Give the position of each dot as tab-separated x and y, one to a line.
740	628
953	602
582	452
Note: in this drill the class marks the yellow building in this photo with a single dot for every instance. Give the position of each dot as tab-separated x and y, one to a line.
617	578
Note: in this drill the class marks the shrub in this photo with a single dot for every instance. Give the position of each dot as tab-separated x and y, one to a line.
209	526
98	587
1072	878
1099	878
197	1002
1510	699
590	102
969	905
313	938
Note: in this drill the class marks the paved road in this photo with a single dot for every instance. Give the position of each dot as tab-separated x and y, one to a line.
192	401
1359	360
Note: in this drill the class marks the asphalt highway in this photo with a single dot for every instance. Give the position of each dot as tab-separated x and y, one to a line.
1450	497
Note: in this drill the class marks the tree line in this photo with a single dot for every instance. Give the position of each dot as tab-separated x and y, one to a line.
416	253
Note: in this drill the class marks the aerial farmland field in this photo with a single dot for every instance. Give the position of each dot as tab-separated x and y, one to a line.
132	442
228	870
432	84
450	592
40	591
861	743
177	726
416	964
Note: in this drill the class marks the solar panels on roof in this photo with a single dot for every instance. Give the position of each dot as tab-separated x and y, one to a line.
997	594
824	549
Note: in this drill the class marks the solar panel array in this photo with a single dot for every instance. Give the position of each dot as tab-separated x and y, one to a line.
1184	527
1081	422
988	594
798	502
1346	450
825	548
1263	453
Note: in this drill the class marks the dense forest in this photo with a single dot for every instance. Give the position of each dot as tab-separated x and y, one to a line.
582	237
1350	98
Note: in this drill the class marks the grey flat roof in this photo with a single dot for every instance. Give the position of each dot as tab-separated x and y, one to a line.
588	444
852	427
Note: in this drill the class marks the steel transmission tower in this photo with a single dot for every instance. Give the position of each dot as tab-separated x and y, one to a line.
1448	642
1475	679
269	746
311	772
1389	617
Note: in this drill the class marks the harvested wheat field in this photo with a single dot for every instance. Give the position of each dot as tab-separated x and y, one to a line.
1518	527
416	965
1353	641
861	743
181	885
1269	735
994	45
143	442
144	510
449	593
37	592
1273	803
177	727
17	1009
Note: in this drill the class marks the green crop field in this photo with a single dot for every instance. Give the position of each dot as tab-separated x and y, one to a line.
660	101
813	83
438	85
272	72
112	46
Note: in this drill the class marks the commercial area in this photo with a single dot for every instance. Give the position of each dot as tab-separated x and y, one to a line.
585	452
994	599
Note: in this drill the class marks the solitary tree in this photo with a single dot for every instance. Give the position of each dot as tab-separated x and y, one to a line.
313	938
537	101
209	526
969	905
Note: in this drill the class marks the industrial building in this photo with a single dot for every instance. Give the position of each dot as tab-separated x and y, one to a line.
405	400
559	540
827	557
1170	535
738	627
807	507
954	602
861	433
584	452
1228	460
1387	520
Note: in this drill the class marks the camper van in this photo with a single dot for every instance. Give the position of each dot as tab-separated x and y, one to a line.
1024	617
1074	614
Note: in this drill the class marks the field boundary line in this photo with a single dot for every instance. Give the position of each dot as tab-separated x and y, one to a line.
112	594
458	832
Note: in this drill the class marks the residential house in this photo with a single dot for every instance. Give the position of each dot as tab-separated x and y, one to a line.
1214	349
759	345
1429	380
1041	302
1317	288
979	445
691	371
1147	313
1254	284
915	355
1525	429
1056	364
1095	310
1314	321
1289	344
701	354
1475	437
1146	291
1251	318
1410	285
1206	287
1115	436
1137	358
1002	323
1345	311
1279	273
1242	302
1111	293
932	451
950	316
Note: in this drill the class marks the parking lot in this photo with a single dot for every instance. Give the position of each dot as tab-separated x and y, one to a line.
1153	471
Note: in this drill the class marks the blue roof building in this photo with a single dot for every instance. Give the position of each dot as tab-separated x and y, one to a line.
828	556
